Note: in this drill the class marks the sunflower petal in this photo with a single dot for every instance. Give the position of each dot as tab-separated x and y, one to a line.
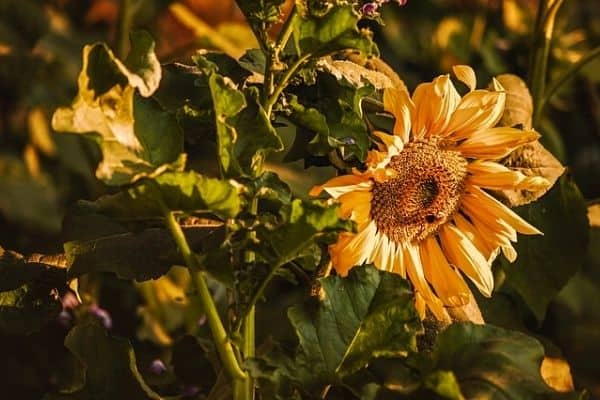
462	253
414	269
495	143
398	102
353	249
435	103
339	185
466	75
498	209
479	109
448	284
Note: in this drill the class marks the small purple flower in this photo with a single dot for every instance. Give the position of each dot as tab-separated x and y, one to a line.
157	367
65	319
102	315
190	390
69	301
369	9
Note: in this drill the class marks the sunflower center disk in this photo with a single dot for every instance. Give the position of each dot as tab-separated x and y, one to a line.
422	196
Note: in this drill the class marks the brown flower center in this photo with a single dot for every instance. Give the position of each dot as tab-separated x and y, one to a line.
424	193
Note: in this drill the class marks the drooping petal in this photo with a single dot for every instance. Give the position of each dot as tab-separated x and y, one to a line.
353	249
398	102
488	249
447	282
466	75
339	185
399	263
495	176
480	216
383	255
493	206
464	255
434	104
495	143
414	269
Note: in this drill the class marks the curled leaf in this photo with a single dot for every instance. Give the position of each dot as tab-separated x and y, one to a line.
518	109
531	159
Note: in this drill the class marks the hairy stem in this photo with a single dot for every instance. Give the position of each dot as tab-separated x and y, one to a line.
221	340
289	73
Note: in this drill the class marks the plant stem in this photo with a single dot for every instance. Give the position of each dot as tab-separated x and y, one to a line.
284	82
542	40
124	27
570	74
222	342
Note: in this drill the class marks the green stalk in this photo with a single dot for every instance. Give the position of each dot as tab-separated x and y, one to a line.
220	338
289	73
542	41
126	13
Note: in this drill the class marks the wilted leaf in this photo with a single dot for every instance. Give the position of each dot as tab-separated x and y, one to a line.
546	263
518	109
354	73
135	135
110	369
490	362
531	159
366	315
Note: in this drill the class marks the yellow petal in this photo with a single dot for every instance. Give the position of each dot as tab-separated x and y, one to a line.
435	103
352	249
393	144
466	75
479	109
339	185
487	248
383	255
398	262
414	269
398	102
481	216
495	143
462	253
447	282
356	205
502	212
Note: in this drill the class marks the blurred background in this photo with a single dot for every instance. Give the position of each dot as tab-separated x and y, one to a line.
42	173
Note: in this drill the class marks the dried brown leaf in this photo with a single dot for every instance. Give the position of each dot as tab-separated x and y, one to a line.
519	104
531	159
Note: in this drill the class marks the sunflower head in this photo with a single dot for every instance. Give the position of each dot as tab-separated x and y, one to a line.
422	205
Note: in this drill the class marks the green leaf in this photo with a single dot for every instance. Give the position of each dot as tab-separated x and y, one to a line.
16	270
180	191
143	255
261	14
136	137
110	369
490	362
366	315
303	222
336	30
331	110
546	263
244	132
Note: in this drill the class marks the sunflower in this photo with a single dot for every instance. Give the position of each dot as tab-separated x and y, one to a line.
421	207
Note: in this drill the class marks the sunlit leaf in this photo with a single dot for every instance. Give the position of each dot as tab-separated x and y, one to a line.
135	135
319	35
366	315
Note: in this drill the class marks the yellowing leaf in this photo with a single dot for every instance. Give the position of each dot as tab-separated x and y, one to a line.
136	137
557	374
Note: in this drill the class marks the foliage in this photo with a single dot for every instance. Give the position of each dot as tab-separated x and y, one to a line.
200	159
